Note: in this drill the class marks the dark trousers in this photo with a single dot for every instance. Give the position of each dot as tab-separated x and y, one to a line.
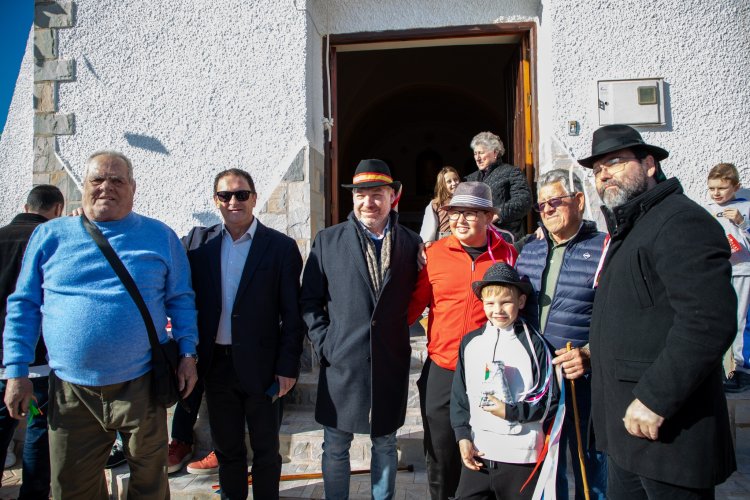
230	409
442	457
625	485
36	469
497	480
184	421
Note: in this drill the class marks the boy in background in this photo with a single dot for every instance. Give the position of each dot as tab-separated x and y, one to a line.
504	390
733	213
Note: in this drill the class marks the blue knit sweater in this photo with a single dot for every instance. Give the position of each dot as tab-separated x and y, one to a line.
93	330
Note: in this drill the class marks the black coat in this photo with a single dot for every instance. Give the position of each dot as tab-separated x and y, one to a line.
664	315
362	341
510	194
13	240
267	327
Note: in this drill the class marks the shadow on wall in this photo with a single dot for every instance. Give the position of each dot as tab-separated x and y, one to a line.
206	218
146	142
90	67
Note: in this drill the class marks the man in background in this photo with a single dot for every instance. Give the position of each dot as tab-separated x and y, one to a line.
43	203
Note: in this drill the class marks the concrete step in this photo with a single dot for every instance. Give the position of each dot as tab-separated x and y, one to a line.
301	448
302	440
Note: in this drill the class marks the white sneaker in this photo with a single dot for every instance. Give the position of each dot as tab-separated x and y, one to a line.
10	457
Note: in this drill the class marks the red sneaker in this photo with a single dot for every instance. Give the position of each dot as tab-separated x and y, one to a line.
206	465
179	454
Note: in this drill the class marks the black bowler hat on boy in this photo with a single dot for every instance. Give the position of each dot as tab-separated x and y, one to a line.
372	173
611	138
501	273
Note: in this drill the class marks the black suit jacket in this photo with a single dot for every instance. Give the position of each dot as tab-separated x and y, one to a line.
267	328
13	240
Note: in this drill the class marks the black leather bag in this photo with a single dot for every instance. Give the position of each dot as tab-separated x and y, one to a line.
164	357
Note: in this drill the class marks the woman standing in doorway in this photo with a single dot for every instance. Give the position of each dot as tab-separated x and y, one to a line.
511	194
435	224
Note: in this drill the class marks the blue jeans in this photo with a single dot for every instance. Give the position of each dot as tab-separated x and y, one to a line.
337	469
596	462
36	470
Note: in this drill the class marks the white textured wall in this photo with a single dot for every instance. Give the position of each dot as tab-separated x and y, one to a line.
16	144
210	84
215	84
701	49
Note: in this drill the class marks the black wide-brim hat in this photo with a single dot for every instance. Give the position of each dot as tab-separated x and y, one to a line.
372	173
501	273
611	138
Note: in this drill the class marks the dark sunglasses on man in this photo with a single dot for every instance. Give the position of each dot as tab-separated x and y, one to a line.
226	196
553	202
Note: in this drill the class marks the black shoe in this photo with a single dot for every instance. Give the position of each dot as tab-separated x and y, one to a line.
116	457
737	382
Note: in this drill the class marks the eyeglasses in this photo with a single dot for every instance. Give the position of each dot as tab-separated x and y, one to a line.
469	215
553	202
613	165
226	196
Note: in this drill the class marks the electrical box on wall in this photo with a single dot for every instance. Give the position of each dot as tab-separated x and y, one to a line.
631	102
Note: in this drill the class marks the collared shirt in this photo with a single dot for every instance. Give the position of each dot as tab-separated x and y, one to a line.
377	239
233	257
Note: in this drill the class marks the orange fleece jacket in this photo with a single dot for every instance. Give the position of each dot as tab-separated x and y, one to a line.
444	284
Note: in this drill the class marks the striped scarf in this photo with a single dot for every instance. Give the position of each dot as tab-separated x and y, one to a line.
376	268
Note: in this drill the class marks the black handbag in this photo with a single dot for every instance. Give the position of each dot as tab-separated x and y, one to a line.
164	357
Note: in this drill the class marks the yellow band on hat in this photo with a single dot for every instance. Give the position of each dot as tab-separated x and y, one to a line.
370	177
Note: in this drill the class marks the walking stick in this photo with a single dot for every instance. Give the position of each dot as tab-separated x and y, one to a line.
319	475
578	434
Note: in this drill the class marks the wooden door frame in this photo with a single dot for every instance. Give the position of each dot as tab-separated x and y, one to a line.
527	30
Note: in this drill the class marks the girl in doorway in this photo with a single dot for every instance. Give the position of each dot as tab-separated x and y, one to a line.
435	224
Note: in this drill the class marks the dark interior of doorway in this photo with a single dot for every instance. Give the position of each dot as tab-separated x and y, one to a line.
418	109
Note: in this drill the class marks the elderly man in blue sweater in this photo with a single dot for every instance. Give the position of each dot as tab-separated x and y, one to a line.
98	346
562	267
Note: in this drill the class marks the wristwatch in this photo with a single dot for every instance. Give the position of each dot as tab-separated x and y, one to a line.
186	355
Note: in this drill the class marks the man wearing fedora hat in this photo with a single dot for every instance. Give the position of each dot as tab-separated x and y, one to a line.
355	292
453	263
663	316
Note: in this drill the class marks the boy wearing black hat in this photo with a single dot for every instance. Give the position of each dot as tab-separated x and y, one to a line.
504	392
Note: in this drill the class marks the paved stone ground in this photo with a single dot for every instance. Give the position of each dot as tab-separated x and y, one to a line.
409	485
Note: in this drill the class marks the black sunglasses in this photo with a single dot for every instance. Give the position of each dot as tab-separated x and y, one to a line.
553	202
226	196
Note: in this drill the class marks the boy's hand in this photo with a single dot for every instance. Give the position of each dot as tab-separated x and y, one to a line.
469	454
734	215
497	407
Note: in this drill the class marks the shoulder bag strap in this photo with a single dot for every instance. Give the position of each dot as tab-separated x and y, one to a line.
126	279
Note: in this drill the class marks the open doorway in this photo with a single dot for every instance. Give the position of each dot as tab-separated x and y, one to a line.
417	103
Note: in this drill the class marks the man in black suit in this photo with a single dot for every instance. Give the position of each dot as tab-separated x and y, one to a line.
664	314
355	293
246	281
43	203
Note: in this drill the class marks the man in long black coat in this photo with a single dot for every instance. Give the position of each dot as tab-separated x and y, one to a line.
355	292
664	315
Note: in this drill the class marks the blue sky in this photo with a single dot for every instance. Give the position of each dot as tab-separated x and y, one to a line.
16	17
